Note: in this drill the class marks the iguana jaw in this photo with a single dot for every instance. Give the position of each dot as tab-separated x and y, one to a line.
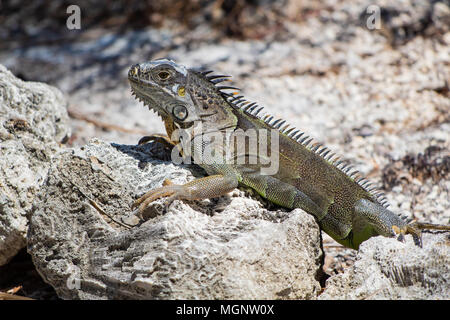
145	91
142	95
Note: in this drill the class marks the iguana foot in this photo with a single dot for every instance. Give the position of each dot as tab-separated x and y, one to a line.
164	142
411	229
158	138
415	229
202	188
168	189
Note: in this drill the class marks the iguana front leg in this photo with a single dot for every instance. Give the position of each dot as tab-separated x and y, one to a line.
202	188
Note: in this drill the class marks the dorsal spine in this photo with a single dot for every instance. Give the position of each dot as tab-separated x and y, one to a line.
252	109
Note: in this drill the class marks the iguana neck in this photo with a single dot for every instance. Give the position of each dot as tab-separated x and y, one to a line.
217	113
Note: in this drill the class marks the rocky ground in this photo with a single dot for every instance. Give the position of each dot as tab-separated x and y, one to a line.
380	98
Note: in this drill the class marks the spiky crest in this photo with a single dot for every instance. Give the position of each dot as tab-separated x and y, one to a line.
252	109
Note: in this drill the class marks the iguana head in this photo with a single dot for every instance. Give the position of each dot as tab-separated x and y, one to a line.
178	94
161	85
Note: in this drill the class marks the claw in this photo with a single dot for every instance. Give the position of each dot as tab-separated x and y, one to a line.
415	232
417	240
408	229
145	140
158	138
169	189
400	232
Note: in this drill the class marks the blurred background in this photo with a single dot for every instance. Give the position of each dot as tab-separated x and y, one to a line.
367	78
320	64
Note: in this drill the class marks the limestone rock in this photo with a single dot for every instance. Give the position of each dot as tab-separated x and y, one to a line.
388	269
33	121
225	248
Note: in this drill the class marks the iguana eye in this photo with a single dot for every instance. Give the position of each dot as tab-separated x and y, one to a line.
163	75
180	112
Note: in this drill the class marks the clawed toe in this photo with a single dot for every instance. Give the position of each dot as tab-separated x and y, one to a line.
408	229
167	190
399	232
158	138
416	234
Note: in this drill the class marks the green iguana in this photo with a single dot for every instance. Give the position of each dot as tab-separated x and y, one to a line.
196	109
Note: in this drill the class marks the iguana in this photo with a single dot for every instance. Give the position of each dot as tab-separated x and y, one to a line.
195	107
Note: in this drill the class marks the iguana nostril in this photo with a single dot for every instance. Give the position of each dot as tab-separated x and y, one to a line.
134	71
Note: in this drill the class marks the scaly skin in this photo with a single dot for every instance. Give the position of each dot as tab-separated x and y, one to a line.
309	176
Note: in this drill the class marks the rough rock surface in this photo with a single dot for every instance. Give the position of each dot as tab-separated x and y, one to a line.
33	121
230	248
388	269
